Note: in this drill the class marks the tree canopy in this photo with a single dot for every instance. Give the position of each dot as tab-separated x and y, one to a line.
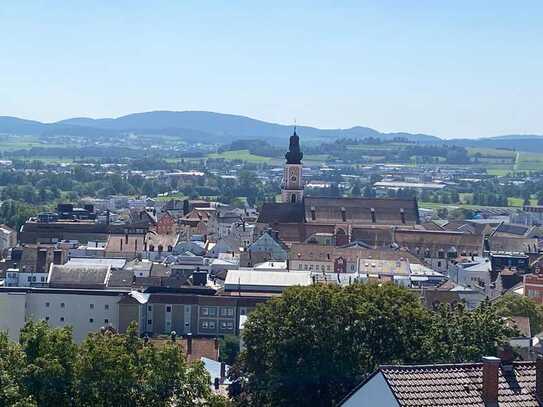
314	344
108	369
513	305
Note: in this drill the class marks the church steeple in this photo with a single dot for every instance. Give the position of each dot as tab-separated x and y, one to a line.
294	155
292	188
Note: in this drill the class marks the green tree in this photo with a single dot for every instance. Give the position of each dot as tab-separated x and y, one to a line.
457	335
513	305
12	391
48	374
120	370
314	344
228	349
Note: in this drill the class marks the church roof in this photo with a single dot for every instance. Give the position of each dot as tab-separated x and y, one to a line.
272	212
359	210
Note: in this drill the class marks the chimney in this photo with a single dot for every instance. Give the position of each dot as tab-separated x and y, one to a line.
491	367
189	344
216	343
539	378
507	356
223	372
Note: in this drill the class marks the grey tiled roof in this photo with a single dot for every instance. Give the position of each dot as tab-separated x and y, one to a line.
459	385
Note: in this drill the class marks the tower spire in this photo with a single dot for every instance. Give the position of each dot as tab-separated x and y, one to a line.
294	154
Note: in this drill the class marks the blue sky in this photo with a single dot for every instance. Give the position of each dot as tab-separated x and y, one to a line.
449	68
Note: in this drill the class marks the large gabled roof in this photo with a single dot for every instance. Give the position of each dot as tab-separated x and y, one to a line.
272	213
455	385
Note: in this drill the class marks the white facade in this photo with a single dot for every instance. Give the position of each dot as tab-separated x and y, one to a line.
84	311
375	392
12	313
8	238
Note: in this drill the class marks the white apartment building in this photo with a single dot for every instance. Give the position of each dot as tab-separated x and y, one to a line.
84	310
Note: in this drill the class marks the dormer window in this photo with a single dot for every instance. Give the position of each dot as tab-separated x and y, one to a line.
373	220
402	215
343	215
313	214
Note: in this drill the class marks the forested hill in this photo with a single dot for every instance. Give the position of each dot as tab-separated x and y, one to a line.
219	128
196	126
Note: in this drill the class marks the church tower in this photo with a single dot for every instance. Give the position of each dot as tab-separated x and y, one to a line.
292	187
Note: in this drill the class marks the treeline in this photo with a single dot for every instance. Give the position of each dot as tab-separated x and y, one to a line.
47	187
47	369
256	147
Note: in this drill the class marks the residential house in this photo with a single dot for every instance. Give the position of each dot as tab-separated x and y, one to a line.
493	382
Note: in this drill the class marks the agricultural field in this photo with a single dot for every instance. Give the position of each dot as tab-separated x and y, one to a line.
242	155
10	143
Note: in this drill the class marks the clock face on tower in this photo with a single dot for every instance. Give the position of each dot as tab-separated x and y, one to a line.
293	175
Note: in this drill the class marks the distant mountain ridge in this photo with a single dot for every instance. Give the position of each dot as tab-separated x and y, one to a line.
211	127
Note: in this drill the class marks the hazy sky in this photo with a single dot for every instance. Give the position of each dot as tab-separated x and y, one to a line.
449	68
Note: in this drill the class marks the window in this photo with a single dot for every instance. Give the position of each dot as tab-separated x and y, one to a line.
212	312
106	307
47	318
47	304
211	324
62	305
34	279
150	308
204	324
106	321
227	312
61	319
227	325
205	311
42	279
91	320
91	306
168	308
29	279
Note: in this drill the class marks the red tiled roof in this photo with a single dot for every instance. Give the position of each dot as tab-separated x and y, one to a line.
459	385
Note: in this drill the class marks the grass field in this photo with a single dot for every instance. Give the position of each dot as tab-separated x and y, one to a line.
491	152
243	155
